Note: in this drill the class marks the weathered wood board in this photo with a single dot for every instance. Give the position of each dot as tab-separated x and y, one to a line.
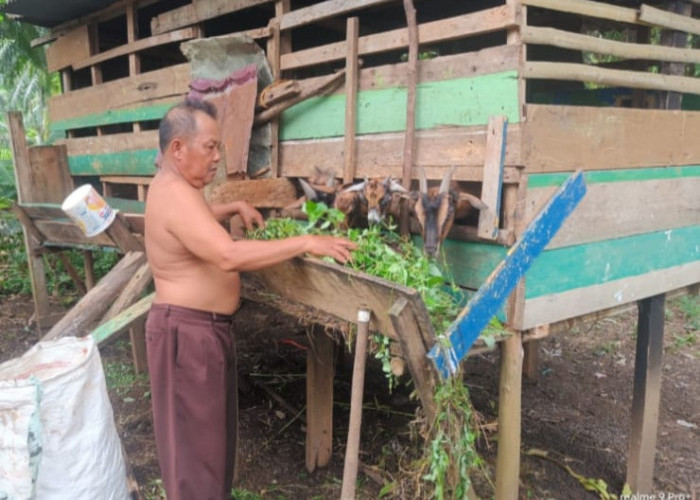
270	193
381	154
443	103
564	138
334	289
625	207
70	48
155	87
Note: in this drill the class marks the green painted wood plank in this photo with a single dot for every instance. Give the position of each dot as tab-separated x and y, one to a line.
459	102
127	206
138	162
468	263
563	269
622	175
112	117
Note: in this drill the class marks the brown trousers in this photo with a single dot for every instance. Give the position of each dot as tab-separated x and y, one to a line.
192	366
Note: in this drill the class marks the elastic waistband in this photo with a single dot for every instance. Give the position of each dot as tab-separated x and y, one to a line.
193	313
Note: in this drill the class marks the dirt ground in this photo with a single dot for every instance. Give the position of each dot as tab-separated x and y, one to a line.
577	410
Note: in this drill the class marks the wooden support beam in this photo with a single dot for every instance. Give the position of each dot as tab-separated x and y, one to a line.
82	318
476	23
509	419
131	292
634	79
531	362
324	10
352	450
669	20
79	284
273	55
319	400
24	185
89	266
137	335
120	233
132	48
197	12
491	187
352	66
415	352
588	8
646	394
576	41
673	38
122	321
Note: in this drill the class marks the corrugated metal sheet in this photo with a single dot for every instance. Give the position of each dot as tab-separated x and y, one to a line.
50	13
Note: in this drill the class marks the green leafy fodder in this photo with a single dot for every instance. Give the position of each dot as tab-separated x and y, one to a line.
450	454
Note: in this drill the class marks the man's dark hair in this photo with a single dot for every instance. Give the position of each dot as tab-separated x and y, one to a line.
180	121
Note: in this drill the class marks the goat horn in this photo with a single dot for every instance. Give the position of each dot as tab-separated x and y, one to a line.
330	182
422	181
308	190
396	186
355	187
445	184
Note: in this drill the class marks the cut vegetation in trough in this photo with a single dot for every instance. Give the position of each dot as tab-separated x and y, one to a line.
449	454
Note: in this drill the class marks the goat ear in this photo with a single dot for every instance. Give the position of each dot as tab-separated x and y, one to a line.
473	200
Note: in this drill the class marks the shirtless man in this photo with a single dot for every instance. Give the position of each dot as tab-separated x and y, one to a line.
195	265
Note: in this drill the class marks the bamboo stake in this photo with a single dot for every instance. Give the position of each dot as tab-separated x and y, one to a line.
358	381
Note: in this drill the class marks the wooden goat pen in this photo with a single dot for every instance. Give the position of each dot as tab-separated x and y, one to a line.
513	93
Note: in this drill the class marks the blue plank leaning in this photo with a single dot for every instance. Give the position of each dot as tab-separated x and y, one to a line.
447	354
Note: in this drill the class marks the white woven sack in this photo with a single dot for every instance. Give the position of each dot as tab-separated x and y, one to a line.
68	449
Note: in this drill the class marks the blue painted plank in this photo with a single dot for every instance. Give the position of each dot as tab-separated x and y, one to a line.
491	295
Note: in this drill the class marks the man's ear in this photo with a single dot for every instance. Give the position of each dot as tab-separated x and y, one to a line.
176	147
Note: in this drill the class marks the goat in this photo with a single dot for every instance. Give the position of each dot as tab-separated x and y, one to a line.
437	208
320	187
373	199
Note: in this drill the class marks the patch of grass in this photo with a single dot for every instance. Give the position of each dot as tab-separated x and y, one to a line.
121	377
689	305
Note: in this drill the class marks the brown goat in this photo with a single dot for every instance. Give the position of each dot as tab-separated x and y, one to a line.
437	208
371	200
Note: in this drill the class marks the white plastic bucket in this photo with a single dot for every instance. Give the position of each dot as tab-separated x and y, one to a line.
89	210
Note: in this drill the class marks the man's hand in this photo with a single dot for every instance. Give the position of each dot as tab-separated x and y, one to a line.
250	216
330	246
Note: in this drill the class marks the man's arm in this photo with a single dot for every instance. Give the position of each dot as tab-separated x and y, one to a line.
250	216
192	223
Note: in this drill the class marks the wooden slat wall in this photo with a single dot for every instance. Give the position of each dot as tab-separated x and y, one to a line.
154	87
565	138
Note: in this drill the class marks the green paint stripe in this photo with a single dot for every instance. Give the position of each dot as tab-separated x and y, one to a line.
470	263
138	162
563	269
459	102
622	175
127	206
113	117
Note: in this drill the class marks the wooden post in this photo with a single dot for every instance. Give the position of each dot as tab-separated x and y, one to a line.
415	353
672	38
131	35
89	265
492	184
531	362
273	56
351	84
319	401
352	450
509	414
646	394
137	334
23	181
